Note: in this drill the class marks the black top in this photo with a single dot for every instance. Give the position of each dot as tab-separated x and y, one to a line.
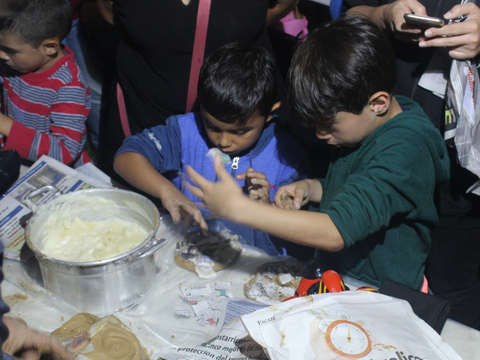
155	50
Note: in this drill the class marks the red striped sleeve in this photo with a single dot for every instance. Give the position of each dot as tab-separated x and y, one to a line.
32	107
20	139
66	156
44	145
70	133
70	108
85	158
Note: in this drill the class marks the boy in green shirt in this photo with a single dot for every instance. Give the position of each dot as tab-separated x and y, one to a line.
371	215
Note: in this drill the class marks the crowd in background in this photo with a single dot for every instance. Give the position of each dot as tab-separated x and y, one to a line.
112	84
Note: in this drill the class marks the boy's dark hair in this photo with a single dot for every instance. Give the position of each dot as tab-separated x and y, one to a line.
337	68
36	20
236	80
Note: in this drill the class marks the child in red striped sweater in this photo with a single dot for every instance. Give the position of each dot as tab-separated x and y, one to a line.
45	103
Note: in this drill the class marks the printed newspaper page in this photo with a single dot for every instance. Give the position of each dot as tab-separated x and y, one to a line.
233	343
45	179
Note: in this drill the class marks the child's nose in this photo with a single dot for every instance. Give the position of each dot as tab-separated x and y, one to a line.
4	56
223	141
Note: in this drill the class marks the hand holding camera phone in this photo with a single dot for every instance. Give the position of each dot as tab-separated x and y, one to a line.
423	22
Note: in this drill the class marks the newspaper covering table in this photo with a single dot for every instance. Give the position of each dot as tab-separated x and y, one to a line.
156	321
45	179
166	335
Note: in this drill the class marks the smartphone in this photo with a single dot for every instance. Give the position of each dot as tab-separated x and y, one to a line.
423	21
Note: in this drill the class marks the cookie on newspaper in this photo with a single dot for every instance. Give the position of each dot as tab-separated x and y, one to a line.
274	282
207	252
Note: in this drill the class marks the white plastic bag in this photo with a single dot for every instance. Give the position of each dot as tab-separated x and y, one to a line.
464	100
346	325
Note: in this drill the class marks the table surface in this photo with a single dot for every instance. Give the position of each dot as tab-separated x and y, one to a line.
148	320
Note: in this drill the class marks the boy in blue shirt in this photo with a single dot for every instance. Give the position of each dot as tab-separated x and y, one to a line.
237	98
371	215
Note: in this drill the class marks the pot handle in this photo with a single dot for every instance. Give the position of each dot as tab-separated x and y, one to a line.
44	189
154	246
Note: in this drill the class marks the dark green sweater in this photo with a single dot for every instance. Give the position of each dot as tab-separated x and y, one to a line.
380	197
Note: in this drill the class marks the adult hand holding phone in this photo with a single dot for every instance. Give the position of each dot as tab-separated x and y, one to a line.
463	38
423	22
393	15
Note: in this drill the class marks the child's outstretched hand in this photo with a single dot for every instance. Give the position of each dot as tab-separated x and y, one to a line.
182	208
223	197
293	196
257	185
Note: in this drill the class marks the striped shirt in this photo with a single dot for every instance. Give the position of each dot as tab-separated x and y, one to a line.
49	110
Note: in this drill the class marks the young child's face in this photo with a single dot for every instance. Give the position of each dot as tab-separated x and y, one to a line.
348	129
234	138
21	56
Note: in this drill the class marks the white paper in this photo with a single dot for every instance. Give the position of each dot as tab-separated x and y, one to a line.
350	324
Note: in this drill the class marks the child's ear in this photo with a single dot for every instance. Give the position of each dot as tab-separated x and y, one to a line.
50	47
275	107
380	102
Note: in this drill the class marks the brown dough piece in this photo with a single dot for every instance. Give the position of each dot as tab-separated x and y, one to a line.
222	251
14	299
112	340
108	336
77	325
75	332
190	265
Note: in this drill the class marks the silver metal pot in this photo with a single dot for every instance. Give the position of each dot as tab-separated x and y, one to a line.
105	286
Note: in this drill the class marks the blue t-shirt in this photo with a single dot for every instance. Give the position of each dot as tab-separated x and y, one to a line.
182	141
